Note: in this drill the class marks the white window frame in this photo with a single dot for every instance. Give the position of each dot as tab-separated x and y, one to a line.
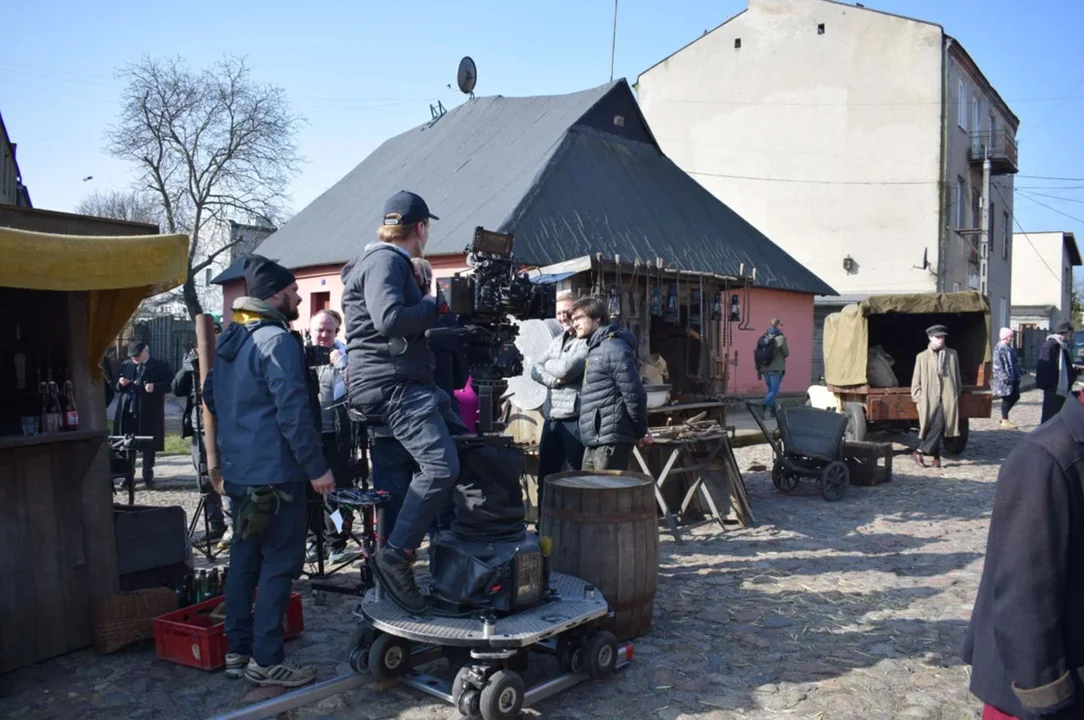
961	202
976	111
961	104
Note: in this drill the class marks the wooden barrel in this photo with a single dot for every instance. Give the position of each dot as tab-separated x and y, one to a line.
605	530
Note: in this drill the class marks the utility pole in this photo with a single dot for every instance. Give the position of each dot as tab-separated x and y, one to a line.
984	225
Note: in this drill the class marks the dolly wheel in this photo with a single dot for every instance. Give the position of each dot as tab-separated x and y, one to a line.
389	657
502	697
600	654
358	654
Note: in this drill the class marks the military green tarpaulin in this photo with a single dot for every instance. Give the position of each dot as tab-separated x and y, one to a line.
846	333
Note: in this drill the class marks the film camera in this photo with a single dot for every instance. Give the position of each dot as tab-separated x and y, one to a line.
486	301
488	559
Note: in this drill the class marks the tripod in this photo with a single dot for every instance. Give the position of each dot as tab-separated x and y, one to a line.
203	478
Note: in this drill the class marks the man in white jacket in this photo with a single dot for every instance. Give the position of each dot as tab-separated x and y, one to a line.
560	369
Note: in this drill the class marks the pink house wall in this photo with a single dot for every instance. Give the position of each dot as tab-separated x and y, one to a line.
795	309
796	312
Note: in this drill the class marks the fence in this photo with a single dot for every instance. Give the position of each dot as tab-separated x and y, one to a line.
169	338
1027	342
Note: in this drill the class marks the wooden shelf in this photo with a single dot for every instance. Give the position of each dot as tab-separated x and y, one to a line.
9	442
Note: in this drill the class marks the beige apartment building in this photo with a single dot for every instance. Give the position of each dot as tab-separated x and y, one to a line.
1042	281
854	138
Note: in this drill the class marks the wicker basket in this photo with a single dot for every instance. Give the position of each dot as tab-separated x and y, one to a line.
120	620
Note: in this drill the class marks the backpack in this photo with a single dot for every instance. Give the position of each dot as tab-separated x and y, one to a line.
765	350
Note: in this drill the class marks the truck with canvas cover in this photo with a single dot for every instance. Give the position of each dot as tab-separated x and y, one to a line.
869	357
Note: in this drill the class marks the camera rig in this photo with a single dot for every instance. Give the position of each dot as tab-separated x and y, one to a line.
486	300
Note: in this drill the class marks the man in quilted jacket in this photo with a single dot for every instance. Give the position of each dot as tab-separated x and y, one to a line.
613	403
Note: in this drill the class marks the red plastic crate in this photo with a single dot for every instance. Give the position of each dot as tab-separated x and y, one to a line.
190	636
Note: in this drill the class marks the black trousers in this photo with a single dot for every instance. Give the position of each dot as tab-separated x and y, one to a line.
1009	400
935	434
560	443
338	462
1052	403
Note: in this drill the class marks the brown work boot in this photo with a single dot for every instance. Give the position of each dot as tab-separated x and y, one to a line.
917	457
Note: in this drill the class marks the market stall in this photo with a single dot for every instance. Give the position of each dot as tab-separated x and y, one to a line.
685	323
65	297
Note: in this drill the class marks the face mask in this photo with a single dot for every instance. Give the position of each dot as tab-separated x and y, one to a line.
937	343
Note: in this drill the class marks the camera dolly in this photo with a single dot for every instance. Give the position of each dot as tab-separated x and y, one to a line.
492	652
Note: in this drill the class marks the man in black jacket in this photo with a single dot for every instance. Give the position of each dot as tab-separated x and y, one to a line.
141	410
1054	371
1026	639
613	402
391	381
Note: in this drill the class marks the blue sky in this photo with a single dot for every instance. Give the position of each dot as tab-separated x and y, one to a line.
362	71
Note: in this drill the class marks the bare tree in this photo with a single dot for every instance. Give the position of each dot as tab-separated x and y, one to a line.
209	146
127	205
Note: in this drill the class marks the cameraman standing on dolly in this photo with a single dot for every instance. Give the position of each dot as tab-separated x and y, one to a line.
269	445
391	381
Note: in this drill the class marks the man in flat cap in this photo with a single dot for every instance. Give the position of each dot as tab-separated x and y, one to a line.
141	409
935	388
392	384
1054	371
269	446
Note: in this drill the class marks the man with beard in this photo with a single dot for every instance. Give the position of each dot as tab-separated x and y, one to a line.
613	403
392	384
269	447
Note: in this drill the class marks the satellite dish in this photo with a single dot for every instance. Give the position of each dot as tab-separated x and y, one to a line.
467	76
533	339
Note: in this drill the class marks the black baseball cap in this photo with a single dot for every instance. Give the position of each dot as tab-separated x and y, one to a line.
404	208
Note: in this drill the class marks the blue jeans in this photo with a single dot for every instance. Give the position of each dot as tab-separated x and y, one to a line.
271	561
772	380
421	419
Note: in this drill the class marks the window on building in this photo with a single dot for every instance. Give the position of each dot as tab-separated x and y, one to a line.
961	203
820	29
976	112
961	104
1007	235
976	207
737	43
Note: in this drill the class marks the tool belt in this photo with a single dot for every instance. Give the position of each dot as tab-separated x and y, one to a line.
256	509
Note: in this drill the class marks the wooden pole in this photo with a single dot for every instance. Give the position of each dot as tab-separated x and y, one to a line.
205	349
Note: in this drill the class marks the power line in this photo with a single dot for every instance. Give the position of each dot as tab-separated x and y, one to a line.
1051	111
816	182
1048	207
1029	195
1025	234
1044	177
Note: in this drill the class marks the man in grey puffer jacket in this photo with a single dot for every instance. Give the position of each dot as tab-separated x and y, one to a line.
613	402
560	369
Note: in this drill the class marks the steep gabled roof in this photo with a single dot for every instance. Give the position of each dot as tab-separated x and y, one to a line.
570	175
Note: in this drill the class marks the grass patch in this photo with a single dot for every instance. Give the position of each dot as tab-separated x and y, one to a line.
176	445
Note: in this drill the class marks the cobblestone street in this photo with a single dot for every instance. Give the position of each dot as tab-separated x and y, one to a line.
827	611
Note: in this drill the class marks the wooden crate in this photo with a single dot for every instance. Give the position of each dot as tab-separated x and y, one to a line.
870	463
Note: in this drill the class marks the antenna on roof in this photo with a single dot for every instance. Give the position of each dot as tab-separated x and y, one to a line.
467	76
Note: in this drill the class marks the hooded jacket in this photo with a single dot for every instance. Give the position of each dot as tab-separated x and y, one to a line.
267	423
613	403
386	318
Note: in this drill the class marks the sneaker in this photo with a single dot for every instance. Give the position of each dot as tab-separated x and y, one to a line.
235	665
395	573
1007	425
287	674
343	555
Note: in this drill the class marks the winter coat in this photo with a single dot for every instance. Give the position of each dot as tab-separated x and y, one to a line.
1006	370
265	401
1048	367
929	389
386	318
560	369
332	411
1025	642
613	403
139	412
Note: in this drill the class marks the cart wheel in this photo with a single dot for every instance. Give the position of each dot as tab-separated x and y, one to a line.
389	657
600	654
834	479
502	697
784	482
464	696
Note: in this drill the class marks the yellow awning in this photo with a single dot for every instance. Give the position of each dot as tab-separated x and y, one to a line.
119	272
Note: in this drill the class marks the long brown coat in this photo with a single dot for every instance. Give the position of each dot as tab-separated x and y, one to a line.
928	390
